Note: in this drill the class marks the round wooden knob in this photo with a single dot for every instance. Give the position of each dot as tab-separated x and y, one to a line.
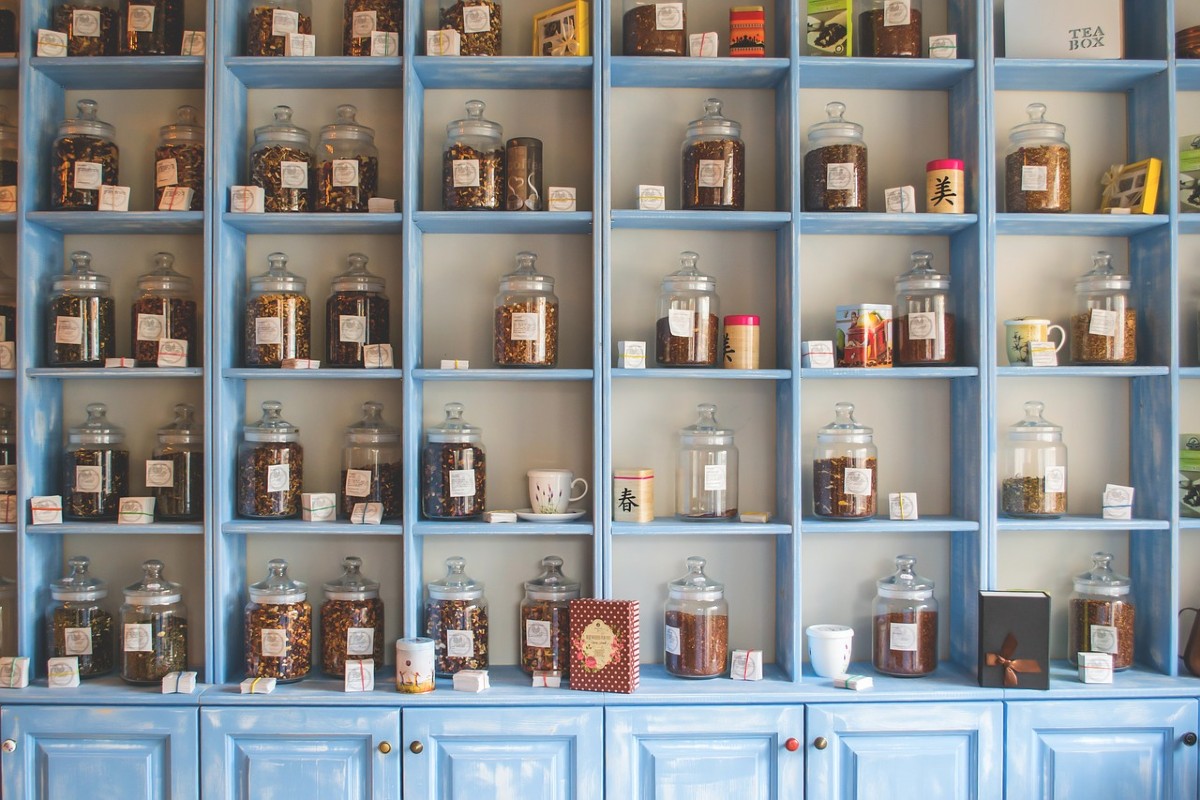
385	747
416	748
1189	739
820	743
10	745
791	745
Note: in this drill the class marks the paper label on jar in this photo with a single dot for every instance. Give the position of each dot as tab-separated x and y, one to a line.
711	173
352	328
268	330
1103	322
293	175
681	321
279	476
160	474
141	18
273	642
88	175
139	637
68	330
922	325
166	172
465	173
896	12
284	22
1033	179
1103	638
477	19
1056	479
840	176
85	22
668	16
462	483
537	633
460	644
150	327
902	636
77	641
360	641
714	477
358	482
8	477
671	640
88	478
345	172
524	326
363	23
857	480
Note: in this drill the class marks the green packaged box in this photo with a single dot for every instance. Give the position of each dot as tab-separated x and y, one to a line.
1189	173
830	28
1189	474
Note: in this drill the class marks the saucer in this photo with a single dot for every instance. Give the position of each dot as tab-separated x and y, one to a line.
529	515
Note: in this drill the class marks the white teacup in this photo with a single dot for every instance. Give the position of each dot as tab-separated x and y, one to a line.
829	649
550	490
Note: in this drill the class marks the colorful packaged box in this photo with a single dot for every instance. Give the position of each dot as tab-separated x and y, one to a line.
1189	173
830	28
747	32
605	645
864	335
1189	474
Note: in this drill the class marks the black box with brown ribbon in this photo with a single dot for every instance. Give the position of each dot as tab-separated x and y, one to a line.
1014	640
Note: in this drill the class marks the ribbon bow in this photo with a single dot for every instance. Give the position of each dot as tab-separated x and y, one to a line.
1011	665
1109	183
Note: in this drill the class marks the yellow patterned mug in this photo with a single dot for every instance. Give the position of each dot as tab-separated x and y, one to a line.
1019	332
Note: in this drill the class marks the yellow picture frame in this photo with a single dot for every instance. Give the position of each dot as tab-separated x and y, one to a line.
1133	189
563	30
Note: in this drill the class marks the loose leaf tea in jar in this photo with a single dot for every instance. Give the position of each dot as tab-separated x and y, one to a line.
8	459
891	29
179	157
8	314
95	468
478	23
1104	326
456	618
1101	614
473	163
688	317
905	643
150	28
371	464
357	314
654	29
925	320
270	469
696	632
80	319
351	620
281	163
154	638
453	468
164	317
9	137
525	332
363	18
278	316
845	468
84	159
714	162
175	473
270	23
1037	168
77	625
1033	467
835	166
347	164
545	619
278	626
90	26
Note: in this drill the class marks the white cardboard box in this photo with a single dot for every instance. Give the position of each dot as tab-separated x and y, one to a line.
1063	29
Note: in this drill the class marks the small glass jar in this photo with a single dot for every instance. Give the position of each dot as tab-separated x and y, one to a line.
278	316
456	618
925	321
714	162
154	629
164	317
179	157
270	466
347	164
1037	167
525	332
95	468
9	136
371	459
845	468
150	28
357	314
696	636
473	163
8	316
905	643
8	617
362	18
1104	326
281	162
1101	613
8	465
654	29
175	475
278	627
546	621
351	620
478	23
706	475
80	320
688	317
90	26
891	29
270	23
835	166
453	468
1034	467
76	624
85	158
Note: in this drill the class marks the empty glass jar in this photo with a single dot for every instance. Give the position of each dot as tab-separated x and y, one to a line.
347	164
371	464
164	320
351	620
85	157
278	317
925	321
525	332
696	633
714	162
1100	614
77	625
456	618
278	625
95	467
473	162
845	468
905	643
688	317
453	468
835	166
270	466
1037	167
154	630
81	318
1033	468
706	475
357	316
281	163
546	621
1104	326
175	473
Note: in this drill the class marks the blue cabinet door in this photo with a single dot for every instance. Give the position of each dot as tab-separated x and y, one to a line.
704	753
1102	749
524	753
935	751
276	753
130	753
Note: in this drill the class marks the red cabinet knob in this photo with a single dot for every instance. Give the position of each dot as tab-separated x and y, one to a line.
792	745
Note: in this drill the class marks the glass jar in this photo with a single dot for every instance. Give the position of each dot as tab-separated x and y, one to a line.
1101	613
347	164
473	163
696	632
456	618
270	466
714	162
1034	467
845	468
546	621
453	468
281	162
85	158
525	332
1037	166
706	475
655	29
179	157
9	136
164	317
76	624
8	617
8	464
361	18
90	26
278	627
905	643
925	322
95	468
351	620
371	459
175	474
891	29
8	315
688	317
150	28
154	631
357	314
1104	326
835	166
8	29
270	23
278	316
478	23
81	317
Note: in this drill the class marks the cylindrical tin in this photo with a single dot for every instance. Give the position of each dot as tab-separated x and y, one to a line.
414	665
944	186
523	163
741	342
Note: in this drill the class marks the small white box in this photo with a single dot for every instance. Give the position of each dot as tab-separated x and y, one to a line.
119	363
902	505
247	199
631	355
443	43
900	200
1095	667
378	356
853	682
454	363
135	510
179	683
547	679
816	354
360	675
170	683
385	43
8	508
943	46
172	352
746	665
1043	354
500	516
114	198
8	355
651	198
14	672
51	44
366	514
258	686
8	199
703	45
1117	502
300	363
176	198
1063	29
560	198
471	680
62	672
193	43
758	517
318	506
300	45
46	509
381	205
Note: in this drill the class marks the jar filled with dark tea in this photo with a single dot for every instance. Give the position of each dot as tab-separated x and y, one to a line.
905	643
362	19
1100	614
278	623
456	618
270	470
1104	325
281	162
924	319
1037	167
371	464
8	616
271	21
175	473
80	320
845	468
835	166
8	29
154	633
85	158
688	317
546	621
95	467
655	29
1033	467
8	317
347	164
706	474
473	163
77	625
351	620
8	145
891	29
523	164
8	461
150	28
278	316
696	632
714	162
357	314
453	468
179	157
90	26
525	332
164	317
478	23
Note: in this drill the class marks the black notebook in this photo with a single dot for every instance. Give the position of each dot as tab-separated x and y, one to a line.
1014	640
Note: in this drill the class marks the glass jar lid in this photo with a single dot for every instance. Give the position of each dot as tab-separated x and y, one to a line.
474	124
905	584
163	279
97	428
272	427
184	429
835	126
8	131
372	429
457	585
6	425
552	584
695	585
153	589
705	430
1101	277
347	127
356	278
187	127
454	428
922	276
687	277
277	278
1034	427
351	584
526	278
277	587
713	123
80	277
1101	579
78	584
1037	126
845	428
282	129
86	122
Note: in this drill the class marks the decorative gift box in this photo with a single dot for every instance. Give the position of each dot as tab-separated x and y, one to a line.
864	335
1014	640
605	645
562	31
1063	29
1189	474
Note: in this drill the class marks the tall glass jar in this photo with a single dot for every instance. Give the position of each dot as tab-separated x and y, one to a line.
1101	614
453	468
8	617
8	465
179	157
688	317
351	620
654	29
95	468
175	473
706	475
478	23
85	158
696	631
1037	166
456	618
150	28
77	625
347	164
362	18
90	26
525	332
473	163
164	317
9	138
270	466
1104	326
270	23
905	643
282	162
8	314
925	321
357	314
80	320
891	29
835	166
278	316
714	162
545	619
154	629
845	468
1033	467
371	464
278	624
